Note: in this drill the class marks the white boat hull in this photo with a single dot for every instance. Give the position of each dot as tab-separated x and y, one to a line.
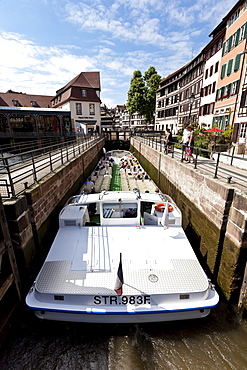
162	278
128	314
121	319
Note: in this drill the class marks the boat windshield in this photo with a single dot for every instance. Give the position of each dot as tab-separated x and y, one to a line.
120	210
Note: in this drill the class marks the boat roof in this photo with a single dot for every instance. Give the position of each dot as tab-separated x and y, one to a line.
114	196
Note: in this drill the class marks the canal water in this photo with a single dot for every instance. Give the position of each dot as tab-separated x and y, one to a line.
218	341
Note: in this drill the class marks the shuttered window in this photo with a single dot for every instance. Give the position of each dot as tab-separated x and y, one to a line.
229	67
229	46
223	48
245	31
237	62
237	87
217	94
243	101
222	91
228	89
223	71
237	37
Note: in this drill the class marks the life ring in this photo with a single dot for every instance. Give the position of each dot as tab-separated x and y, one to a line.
161	206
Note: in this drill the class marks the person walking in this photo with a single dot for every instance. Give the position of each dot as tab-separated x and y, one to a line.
185	140
168	141
191	144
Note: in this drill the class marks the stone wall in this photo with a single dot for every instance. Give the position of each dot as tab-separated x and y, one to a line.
33	216
214	215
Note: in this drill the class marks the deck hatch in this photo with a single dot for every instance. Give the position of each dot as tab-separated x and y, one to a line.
69	222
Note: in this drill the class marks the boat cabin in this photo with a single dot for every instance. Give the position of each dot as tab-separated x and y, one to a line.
130	208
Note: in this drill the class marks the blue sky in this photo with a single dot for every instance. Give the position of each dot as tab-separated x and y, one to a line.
46	43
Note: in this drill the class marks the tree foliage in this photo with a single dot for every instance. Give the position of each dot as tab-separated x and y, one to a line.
142	93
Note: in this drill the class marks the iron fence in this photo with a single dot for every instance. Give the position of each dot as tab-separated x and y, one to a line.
19	171
229	167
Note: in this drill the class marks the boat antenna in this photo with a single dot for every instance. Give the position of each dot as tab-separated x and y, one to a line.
137	191
103	192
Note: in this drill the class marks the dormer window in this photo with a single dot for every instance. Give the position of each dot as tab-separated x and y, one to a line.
15	103
34	103
84	93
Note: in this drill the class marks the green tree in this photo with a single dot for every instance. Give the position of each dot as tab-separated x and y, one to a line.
136	93
142	93
152	80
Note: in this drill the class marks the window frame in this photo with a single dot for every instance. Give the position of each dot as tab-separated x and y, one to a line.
92	109
78	108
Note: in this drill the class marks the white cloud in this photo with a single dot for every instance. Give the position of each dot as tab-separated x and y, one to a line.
37	68
133	27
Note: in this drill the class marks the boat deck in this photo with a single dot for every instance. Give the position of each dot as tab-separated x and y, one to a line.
95	259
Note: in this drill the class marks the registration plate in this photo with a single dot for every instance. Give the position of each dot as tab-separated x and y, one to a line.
123	300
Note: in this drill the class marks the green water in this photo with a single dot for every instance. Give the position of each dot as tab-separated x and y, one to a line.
116	179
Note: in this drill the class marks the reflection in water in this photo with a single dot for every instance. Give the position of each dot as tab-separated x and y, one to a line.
216	342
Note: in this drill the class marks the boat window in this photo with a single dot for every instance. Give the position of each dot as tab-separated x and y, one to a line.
119	210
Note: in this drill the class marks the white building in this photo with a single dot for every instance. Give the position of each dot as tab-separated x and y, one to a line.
212	54
82	97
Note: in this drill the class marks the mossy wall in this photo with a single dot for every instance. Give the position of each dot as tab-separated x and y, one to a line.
214	215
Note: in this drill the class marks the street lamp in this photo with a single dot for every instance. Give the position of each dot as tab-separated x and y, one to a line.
191	100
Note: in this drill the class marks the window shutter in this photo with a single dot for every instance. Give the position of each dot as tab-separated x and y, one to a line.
223	71
229	89
235	132
237	62
223	48
243	99
229	67
222	90
229	43
217	94
237	87
237	37
245	31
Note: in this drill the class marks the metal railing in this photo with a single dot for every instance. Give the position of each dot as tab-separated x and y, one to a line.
19	171
211	162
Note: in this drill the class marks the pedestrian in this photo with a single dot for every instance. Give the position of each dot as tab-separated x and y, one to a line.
168	141
191	144
107	174
104	152
185	140
89	182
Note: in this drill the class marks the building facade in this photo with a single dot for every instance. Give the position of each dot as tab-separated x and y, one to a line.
212	56
231	68
81	96
219	72
178	98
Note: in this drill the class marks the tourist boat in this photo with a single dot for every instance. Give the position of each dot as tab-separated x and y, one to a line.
121	257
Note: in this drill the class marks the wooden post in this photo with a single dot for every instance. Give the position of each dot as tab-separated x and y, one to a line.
7	247
242	303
